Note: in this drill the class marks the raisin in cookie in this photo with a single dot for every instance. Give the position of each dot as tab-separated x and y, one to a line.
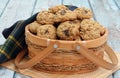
83	13
90	29
57	8
47	31
33	27
64	15
69	30
45	17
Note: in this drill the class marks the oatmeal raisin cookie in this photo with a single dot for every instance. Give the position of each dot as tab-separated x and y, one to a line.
45	17
33	27
90	29
83	13
47	31
57	8
64	15
69	30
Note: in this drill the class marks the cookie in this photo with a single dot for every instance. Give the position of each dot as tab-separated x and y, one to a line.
90	29
47	31
83	13
45	17
64	15
69	30
33	27
57	8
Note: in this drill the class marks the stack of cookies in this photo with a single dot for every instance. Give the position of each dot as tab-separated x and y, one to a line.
60	23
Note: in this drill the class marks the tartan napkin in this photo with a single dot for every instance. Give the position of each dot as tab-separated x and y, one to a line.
15	38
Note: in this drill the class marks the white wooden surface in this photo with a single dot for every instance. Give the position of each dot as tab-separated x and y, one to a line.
106	12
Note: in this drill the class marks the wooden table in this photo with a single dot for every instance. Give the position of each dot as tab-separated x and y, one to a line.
106	12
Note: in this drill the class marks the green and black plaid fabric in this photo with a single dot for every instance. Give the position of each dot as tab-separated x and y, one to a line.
15	40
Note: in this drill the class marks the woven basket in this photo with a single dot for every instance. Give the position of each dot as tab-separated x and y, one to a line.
68	57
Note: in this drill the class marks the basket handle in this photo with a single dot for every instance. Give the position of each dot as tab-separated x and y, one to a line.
97	60
35	59
80	48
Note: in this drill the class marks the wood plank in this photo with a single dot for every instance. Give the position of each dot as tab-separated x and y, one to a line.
18	75
99	73
24	10
41	7
117	3
110	5
6	73
79	3
3	4
116	74
109	18
45	4
16	10
110	76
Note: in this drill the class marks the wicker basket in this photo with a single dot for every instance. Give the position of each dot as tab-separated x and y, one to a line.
57	56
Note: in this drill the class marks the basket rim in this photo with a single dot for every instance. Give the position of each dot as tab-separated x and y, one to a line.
44	41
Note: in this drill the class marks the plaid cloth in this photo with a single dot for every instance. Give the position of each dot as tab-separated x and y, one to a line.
15	38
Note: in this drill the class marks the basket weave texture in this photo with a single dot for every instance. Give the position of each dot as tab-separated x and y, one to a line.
63	60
